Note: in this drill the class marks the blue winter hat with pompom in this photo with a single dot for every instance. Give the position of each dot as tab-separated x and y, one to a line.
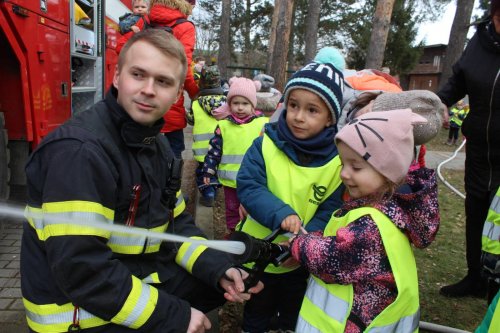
323	77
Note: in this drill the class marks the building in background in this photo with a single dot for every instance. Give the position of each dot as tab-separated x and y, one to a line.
427	73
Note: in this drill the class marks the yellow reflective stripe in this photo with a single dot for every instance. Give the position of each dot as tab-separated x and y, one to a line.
139	305
50	219
304	326
132	244
231	159
152	278
202	136
491	231
407	324
188	254
227	177
57	318
335	307
495	204
180	204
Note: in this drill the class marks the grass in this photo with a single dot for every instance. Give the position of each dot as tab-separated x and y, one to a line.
443	262
438	143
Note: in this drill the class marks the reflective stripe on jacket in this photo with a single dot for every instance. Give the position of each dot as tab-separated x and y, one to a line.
491	229
326	307
203	131
302	188
85	170
236	141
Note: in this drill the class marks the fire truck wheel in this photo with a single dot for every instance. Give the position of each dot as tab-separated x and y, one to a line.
4	160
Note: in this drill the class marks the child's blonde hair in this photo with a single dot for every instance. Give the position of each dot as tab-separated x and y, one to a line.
145	1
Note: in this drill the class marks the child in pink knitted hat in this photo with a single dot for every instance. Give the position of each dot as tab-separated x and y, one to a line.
364	275
239	124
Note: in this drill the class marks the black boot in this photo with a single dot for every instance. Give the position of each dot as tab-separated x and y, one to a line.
468	286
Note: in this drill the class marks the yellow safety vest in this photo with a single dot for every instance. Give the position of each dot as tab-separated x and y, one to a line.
491	229
203	131
326	307
236	141
456	114
495	321
302	188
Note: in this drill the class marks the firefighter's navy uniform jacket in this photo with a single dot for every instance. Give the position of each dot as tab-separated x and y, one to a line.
107	282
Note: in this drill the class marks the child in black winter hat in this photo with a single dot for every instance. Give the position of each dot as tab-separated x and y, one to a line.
289	178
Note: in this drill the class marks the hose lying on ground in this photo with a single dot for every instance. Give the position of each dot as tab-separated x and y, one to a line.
446	161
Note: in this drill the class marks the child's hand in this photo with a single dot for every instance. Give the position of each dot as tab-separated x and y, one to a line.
291	223
290	263
135	28
206	180
242	212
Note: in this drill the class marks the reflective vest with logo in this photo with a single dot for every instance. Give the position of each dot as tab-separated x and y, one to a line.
302	188
491	237
203	130
326	307
236	141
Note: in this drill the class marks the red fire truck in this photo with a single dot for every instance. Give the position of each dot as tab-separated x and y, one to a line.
57	58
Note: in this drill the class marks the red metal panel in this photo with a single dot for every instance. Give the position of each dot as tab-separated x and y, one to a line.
51	87
15	94
41	47
57	10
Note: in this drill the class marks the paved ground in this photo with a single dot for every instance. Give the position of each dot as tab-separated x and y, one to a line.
11	308
434	158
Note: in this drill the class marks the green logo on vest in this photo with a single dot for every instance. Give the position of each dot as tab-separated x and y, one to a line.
319	193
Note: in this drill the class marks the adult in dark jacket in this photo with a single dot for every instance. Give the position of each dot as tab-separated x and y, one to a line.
110	164
477	74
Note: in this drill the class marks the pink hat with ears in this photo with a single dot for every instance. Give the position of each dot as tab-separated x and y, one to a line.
384	140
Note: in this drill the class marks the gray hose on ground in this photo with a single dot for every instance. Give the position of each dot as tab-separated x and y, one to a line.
439	328
441	176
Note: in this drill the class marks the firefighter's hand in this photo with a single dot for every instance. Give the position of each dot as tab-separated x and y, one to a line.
198	323
135	28
291	223
206	180
233	284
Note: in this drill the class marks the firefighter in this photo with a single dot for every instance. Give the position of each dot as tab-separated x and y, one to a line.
110	164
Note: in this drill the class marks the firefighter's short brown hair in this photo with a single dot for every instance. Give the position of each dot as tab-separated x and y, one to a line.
164	41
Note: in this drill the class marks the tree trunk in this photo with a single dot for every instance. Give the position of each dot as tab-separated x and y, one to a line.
224	58
246	36
311	36
380	31
280	50
458	35
272	36
290	58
